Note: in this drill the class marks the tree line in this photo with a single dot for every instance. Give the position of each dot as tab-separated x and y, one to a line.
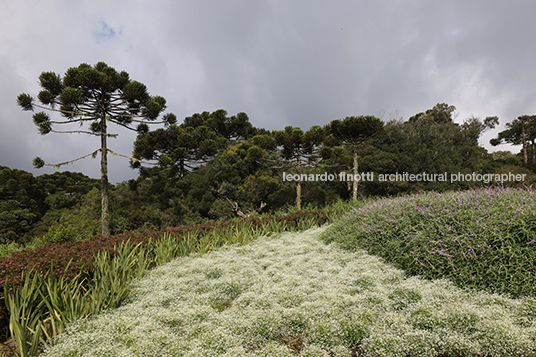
216	166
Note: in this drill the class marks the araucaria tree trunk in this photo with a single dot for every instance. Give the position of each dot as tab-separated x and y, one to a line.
524	142
104	179
298	186
298	194
355	181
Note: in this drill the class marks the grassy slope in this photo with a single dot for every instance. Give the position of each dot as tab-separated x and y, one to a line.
293	296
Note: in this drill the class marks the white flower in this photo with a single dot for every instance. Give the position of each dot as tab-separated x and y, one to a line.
294	295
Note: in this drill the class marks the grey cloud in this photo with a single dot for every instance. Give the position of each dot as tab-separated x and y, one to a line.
297	63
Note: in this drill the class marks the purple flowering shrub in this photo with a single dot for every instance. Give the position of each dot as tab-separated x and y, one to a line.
483	238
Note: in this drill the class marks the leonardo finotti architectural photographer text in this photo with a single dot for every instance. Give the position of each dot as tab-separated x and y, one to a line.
405	176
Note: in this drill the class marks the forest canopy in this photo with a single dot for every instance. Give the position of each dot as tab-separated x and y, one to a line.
218	166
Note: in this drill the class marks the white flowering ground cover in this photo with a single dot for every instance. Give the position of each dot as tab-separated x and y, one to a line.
292	295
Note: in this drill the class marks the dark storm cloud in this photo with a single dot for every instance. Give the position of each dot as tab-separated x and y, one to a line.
297	63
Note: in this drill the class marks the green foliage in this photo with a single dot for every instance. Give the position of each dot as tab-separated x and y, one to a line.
346	139
66	300
41	303
520	131
264	141
298	150
80	211
480	239
353	129
38	162
76	96
61	234
46	301
8	248
25	309
68	183
181	148
215	166
25	101
430	142
473	127
530	177
177	149
180	183
42	121
22	204
110	284
299	147
22	189
15	224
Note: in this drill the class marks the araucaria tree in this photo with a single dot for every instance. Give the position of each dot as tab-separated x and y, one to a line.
520	131
298	149
97	95
352	132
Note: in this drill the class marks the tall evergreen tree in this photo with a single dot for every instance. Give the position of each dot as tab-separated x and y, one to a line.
97	95
520	131
299	149
352	132
236	127
431	142
180	149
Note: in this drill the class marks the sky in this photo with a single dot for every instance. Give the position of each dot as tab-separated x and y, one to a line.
282	62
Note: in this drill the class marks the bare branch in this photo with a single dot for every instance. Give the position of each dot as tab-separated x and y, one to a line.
123	125
57	166
129	157
82	112
238	211
236	208
85	132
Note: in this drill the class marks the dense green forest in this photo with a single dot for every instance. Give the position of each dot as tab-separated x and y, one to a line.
214	166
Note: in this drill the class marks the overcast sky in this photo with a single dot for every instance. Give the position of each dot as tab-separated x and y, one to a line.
283	62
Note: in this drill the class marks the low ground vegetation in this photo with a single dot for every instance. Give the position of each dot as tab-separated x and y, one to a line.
292	295
47	287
